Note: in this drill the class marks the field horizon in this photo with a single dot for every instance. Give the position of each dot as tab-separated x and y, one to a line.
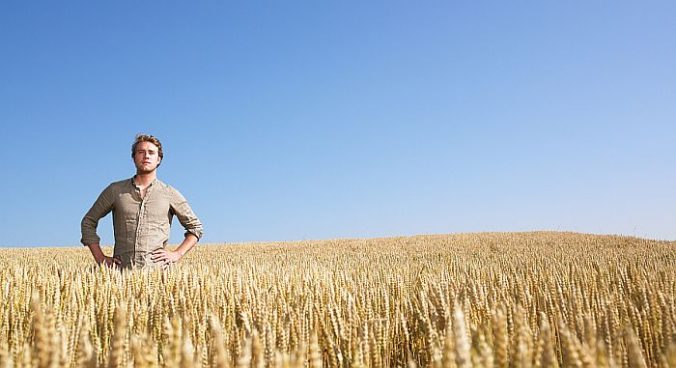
381	238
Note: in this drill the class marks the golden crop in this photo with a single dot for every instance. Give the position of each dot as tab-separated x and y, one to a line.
482	300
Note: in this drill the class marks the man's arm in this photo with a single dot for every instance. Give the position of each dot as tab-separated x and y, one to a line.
168	256
100	208
101	258
193	229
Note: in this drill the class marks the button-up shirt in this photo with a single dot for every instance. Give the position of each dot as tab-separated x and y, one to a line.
141	224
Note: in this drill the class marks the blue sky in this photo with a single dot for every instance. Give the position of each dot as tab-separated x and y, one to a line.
287	120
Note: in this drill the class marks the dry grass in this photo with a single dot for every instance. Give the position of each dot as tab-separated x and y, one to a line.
483	300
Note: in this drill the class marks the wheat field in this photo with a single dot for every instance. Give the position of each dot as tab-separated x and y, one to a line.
539	299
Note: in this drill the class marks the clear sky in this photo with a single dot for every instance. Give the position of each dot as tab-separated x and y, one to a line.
287	120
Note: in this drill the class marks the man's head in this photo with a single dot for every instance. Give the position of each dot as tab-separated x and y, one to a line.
147	153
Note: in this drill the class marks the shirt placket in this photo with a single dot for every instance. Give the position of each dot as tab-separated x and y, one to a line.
140	216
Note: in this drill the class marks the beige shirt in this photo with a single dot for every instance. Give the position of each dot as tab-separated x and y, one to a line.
141	225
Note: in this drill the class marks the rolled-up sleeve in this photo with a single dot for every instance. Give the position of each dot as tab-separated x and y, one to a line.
102	206
185	215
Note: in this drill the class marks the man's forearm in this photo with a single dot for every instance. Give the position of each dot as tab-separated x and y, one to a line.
95	248
187	244
101	258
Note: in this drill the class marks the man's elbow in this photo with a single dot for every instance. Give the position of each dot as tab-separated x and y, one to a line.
195	232
88	231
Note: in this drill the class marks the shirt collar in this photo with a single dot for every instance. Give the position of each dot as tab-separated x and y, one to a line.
133	183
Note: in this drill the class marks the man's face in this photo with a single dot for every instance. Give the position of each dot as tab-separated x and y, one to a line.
146	157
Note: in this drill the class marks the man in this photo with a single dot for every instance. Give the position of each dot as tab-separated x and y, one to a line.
143	208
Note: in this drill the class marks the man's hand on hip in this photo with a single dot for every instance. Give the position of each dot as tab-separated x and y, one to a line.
110	261
165	256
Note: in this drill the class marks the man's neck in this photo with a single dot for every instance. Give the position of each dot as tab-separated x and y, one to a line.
144	179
